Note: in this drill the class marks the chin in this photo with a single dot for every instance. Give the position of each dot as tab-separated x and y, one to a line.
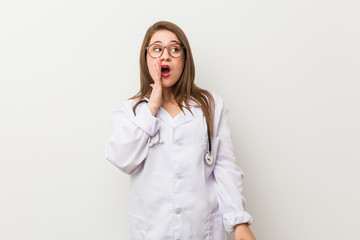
168	83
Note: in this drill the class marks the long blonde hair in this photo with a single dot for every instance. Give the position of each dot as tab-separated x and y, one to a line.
184	89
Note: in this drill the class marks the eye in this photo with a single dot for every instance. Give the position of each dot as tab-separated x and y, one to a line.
156	48
175	48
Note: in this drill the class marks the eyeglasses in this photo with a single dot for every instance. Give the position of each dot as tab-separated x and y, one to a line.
156	50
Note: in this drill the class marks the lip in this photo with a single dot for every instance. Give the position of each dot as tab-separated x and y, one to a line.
167	74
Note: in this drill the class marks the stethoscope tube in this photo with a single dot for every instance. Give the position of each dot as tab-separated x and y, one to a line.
209	159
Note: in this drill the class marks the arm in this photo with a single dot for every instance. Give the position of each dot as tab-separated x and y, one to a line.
128	147
243	232
228	176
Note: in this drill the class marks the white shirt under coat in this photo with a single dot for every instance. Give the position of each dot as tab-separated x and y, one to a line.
174	193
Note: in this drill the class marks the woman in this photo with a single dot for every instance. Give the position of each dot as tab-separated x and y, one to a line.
160	137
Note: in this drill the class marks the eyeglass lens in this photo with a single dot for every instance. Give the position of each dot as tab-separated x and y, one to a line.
175	50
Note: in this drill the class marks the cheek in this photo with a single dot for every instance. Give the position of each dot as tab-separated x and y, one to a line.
180	66
150	66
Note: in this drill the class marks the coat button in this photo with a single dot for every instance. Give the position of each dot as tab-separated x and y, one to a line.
178	210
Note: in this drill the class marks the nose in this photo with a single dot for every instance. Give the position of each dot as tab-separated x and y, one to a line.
165	55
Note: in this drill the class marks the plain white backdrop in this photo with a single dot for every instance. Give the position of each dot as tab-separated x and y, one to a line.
288	70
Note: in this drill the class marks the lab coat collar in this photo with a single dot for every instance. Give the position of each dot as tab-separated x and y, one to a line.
182	118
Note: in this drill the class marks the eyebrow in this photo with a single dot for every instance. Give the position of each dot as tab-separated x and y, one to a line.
170	42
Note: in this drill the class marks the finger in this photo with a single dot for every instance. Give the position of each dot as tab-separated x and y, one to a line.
158	64
157	69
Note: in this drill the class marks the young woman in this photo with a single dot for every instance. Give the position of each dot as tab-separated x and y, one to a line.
172	138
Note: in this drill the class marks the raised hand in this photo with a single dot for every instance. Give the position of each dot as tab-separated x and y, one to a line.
155	99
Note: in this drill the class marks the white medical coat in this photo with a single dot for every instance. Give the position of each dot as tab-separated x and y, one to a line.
174	193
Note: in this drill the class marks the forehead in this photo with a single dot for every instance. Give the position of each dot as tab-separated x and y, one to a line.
164	36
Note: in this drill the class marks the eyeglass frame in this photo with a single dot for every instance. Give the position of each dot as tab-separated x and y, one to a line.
163	48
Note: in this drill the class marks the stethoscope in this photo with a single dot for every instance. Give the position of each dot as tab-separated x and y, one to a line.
209	159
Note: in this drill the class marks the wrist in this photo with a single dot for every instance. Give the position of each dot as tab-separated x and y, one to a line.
153	109
241	225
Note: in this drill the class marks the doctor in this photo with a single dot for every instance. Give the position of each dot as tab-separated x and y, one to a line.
160	138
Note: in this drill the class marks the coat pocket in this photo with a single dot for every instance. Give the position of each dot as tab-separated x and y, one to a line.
216	228
137	227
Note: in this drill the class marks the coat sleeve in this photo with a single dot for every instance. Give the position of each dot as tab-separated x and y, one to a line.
227	175
128	147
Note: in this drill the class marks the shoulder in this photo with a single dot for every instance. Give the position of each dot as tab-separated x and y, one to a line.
220	110
217	98
126	106
129	103
219	103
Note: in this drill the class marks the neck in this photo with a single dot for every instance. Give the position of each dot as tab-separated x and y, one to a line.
167	95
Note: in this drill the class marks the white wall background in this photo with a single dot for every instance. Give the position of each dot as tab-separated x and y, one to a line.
289	71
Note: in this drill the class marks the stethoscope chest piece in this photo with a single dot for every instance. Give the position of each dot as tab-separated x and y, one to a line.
209	159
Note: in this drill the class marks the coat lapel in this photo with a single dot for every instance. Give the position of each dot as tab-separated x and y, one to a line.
181	118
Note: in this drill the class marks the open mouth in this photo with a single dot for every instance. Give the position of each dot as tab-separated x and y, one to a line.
165	70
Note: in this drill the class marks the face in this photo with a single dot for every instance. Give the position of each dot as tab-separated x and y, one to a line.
176	65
